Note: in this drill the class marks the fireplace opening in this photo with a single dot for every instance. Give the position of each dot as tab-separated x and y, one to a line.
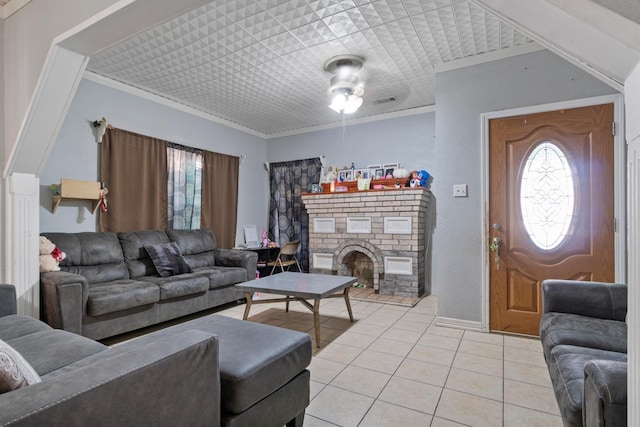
361	266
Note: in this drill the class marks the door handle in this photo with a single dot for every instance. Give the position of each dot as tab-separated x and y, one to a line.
496	244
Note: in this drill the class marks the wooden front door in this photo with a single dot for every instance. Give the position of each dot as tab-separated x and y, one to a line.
551	208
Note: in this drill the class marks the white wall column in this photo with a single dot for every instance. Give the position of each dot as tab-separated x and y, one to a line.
632	104
22	224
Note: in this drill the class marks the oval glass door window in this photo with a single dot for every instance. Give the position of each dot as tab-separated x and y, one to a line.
547	196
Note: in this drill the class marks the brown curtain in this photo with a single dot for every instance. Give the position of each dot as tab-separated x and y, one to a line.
220	196
134	169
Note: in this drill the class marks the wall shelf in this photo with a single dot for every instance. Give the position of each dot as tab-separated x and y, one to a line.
74	190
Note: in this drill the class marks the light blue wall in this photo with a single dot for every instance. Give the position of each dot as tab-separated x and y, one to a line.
75	154
2	141
463	95
408	140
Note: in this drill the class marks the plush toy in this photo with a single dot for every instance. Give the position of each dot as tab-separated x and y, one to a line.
420	178
50	255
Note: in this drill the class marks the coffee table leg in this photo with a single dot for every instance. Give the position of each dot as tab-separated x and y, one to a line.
346	300
316	320
248	306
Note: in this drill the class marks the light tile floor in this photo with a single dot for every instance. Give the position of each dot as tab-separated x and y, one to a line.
394	367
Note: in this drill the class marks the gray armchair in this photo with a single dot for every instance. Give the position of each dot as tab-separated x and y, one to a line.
584	339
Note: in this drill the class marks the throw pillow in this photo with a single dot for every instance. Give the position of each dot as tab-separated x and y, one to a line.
167	259
15	372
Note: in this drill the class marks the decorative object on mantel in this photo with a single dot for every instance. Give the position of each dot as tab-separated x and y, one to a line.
376	177
401	173
363	184
420	178
71	189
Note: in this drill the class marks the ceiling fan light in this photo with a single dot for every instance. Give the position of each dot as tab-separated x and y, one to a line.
338	102
353	103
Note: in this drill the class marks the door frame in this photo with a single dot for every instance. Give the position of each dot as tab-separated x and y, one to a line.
620	194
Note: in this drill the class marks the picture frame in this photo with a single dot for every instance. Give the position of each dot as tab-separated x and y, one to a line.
251	236
362	173
345	175
377	173
389	168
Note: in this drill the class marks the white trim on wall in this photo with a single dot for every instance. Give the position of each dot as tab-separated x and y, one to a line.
358	121
12	7
489	56
185	108
449	322
619	182
167	102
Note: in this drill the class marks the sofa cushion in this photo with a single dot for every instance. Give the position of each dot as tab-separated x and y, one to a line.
255	359
15	371
52	349
574	329
222	276
96	256
178	286
120	295
566	368
135	255
17	325
197	246
167	259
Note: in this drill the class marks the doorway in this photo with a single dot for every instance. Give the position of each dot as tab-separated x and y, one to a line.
551	208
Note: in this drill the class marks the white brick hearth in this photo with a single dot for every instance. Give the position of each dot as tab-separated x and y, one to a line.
379	236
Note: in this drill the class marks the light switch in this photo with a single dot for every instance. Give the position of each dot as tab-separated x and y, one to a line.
460	190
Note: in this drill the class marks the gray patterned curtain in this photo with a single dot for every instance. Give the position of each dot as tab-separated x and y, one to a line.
288	219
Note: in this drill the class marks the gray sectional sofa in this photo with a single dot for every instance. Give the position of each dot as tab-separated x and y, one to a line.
212	371
584	339
108	283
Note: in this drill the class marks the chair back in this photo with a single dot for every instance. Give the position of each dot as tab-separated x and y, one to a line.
290	248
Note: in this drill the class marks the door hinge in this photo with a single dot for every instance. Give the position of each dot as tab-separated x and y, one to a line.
615	225
613	128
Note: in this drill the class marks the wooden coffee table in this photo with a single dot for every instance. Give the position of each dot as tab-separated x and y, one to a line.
300	287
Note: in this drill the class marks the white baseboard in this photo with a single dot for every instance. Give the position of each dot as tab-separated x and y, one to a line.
449	322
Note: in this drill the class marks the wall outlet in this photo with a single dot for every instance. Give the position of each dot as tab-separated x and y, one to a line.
460	190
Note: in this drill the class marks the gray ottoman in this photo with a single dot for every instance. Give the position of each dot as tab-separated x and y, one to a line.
263	374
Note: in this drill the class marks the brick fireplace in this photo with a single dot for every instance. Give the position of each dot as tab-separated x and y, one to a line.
379	236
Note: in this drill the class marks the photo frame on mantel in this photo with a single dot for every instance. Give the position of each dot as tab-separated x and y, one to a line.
389	168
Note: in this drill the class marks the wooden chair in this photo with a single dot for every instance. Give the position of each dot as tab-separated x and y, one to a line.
286	257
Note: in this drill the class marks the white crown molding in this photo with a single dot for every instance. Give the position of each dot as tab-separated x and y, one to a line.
11	7
489	56
358	121
105	81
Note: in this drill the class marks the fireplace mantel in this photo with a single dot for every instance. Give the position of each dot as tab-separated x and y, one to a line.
389	226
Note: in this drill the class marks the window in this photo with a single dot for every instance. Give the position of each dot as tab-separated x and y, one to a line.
547	198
